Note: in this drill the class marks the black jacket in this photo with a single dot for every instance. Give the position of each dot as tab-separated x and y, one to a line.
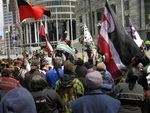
47	101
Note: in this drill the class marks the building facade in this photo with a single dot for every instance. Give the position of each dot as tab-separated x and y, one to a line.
10	32
60	25
90	12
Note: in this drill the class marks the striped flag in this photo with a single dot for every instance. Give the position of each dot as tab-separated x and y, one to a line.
48	46
43	33
115	43
134	34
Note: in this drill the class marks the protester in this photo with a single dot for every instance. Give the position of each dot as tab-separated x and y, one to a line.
18	100
68	87
8	83
81	70
54	74
46	99
130	93
108	82
94	101
89	51
89	66
16	75
35	66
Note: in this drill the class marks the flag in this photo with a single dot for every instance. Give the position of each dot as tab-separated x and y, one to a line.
134	34
42	31
27	10
89	40
115	43
64	47
48	46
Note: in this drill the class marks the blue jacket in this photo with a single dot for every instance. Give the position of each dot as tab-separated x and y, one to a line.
52	76
18	100
95	102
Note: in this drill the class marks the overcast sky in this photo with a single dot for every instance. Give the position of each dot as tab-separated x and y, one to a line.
1	18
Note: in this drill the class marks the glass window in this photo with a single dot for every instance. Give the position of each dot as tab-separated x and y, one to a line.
126	5
127	21
80	19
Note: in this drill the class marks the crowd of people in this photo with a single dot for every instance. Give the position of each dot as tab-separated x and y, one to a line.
48	84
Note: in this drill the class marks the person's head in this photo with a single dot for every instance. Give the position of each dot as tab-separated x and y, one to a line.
68	67
58	62
18	100
124	71
79	62
93	80
101	66
89	66
90	60
35	64
17	63
15	71
6	73
38	83
133	74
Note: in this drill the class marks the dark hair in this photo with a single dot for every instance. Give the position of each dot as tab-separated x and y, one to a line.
38	83
16	71
133	74
6	73
79	61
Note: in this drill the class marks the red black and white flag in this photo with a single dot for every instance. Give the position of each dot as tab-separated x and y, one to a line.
134	34
43	33
115	43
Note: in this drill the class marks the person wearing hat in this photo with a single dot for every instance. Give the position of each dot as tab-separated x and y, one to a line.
89	66
94	101
18	100
108	81
68	87
35	66
8	83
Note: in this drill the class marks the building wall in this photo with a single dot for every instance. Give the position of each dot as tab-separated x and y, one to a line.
138	12
60	25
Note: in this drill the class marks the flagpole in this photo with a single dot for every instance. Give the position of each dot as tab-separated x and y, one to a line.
71	25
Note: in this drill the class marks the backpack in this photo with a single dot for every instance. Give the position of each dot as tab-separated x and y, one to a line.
107	79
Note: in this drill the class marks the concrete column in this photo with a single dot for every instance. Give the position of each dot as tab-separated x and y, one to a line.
95	24
142	16
35	32
30	33
68	29
27	34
